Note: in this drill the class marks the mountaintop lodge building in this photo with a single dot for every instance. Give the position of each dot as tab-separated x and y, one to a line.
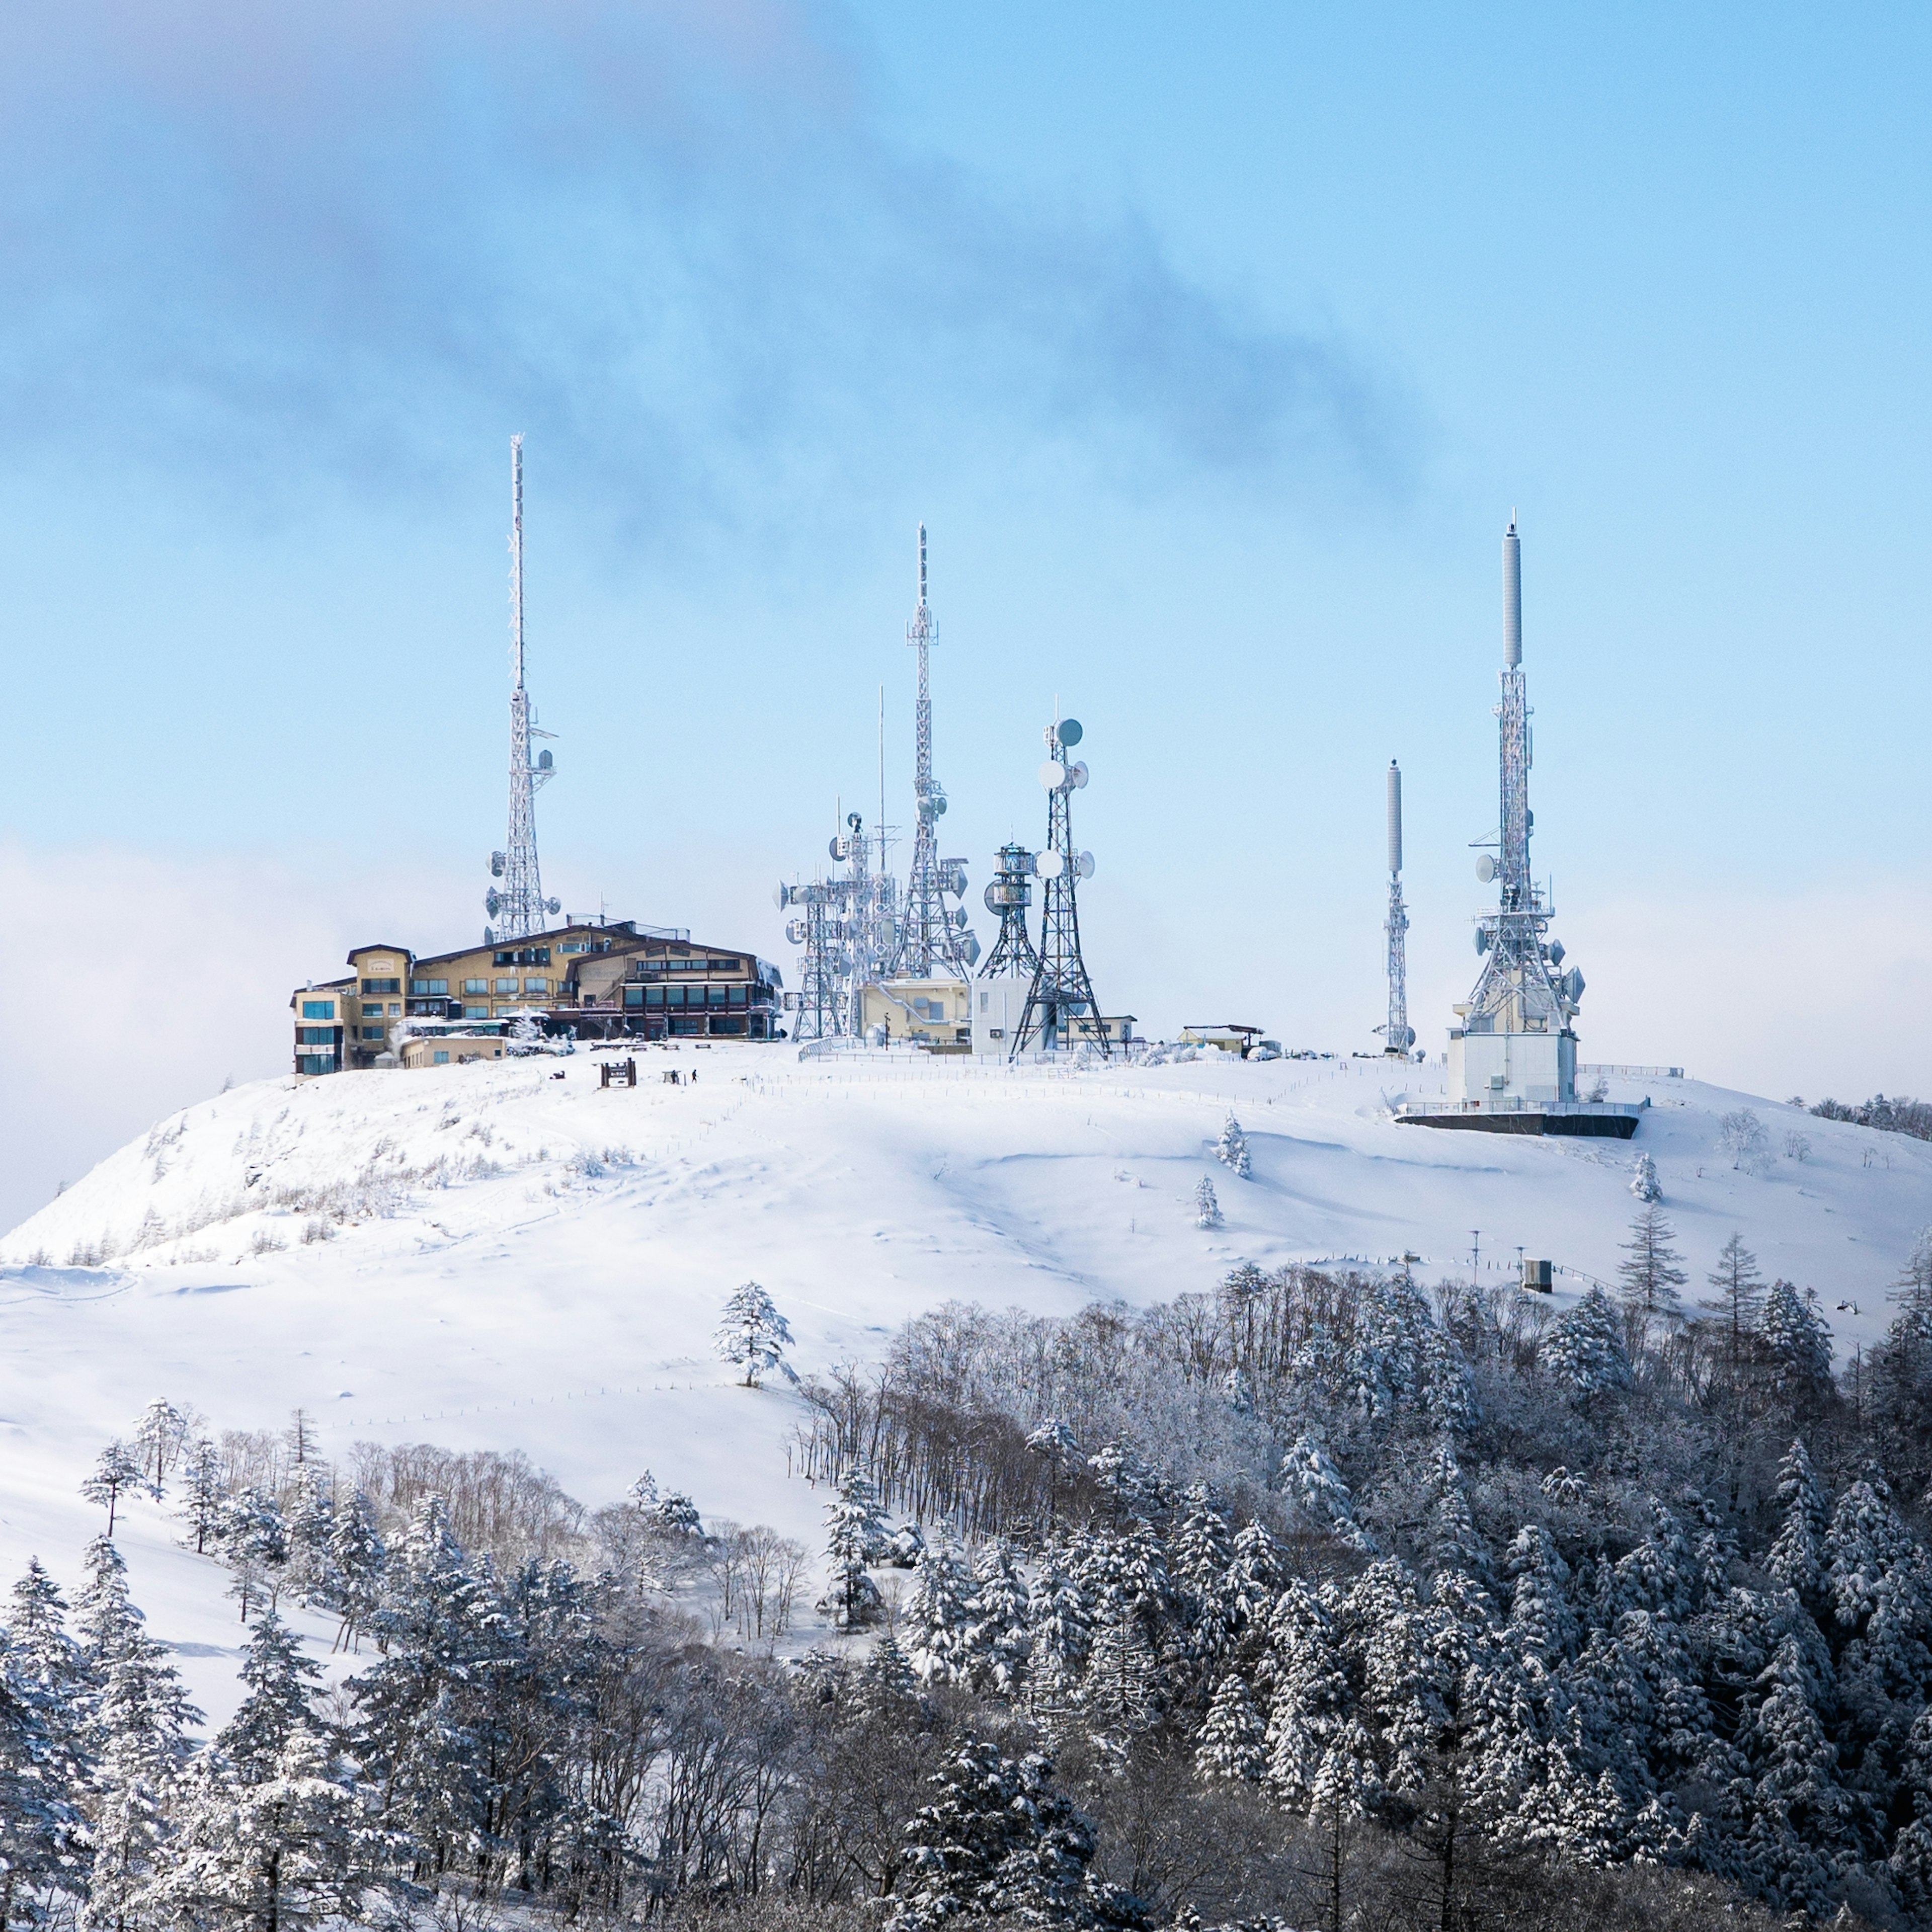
587	979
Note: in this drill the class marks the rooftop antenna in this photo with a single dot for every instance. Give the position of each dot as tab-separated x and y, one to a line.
1398	1036
933	942
516	907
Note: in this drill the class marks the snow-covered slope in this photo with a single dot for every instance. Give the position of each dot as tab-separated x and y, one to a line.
490	1256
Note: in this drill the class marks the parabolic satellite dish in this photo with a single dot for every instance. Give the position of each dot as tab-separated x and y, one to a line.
1068	731
1049	864
1052	775
1086	864
1076	773
1486	869
778	897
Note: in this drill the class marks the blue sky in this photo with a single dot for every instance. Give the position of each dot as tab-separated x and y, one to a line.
1215	345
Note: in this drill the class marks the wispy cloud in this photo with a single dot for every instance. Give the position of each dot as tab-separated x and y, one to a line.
346	239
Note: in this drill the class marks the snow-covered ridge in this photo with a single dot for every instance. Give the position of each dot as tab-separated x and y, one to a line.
488	1257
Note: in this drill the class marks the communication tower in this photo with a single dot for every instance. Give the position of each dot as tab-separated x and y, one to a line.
1061	992
1009	895
818	932
1398	1036
1515	1044
934	943
866	917
517	906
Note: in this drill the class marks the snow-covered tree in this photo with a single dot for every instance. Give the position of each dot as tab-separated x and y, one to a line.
1583	1350
1059	1634
158	1439
854	1530
1643	1180
115	1474
935	1619
39	1826
1649	1280
1742	1136
356	1561
1232	1149
203	1493
1796	1340
1316	1488
1540	1616
753	1335
1207	1208
1229	1748
1797	1557
280	1852
281	1682
996	1633
1737	1296
311	1526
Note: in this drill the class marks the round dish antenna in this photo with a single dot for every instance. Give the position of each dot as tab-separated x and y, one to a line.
1068	732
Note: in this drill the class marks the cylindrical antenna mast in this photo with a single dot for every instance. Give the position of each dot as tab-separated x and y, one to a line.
1394	817
1512	596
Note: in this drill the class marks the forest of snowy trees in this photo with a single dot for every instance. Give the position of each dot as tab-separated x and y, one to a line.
1313	1599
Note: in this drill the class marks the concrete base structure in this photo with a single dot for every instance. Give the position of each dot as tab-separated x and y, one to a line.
1490	1070
1596	1120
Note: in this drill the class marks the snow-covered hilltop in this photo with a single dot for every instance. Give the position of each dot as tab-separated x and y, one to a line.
490	1256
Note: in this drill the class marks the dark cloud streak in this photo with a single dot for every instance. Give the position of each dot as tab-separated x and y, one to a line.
349	241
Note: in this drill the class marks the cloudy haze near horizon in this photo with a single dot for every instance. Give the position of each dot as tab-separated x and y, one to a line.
1216	351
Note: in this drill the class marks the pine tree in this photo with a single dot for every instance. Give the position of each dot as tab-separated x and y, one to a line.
281	1682
1651	1278
280	1853
1738	1296
1313	1484
1207	1208
1643	1182
935	1617
996	1631
1229	1748
753	1335
1060	1635
1256	1571
1540	1616
1797	1343
1797	1557
854	1530
38	1825
311	1524
1232	1149
205	1493
158	1438
1583	1350
1797	1807
52	1674
115	1474
357	1559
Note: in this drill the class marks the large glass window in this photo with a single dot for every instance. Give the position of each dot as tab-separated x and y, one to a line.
440	1058
429	987
476	1012
381	986
715	994
634	996
536	985
372	1033
318	1010
727	1023
506	985
315	1036
687	1023
315	1063
475	985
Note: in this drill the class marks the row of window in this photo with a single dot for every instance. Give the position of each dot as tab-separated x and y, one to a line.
523	955
381	986
315	1036
318	1010
737	995
315	1063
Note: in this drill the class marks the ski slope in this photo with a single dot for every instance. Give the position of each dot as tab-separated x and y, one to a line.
518	1260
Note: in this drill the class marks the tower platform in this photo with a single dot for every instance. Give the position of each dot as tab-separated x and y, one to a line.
1600	1120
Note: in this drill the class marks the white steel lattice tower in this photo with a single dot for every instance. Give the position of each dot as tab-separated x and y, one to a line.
934	943
1520	993
1009	894
1398	1036
517	906
1061	994
818	1009
867	920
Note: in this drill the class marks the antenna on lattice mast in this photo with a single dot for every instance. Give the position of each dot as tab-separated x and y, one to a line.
1398	1036
1060	1008
517	906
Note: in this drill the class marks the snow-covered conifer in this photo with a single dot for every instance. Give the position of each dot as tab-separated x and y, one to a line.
1797	1341
1256	1570
356	1561
202	1495
50	1671
1313	1484
1737	1296
1207	1208
1540	1612
1450	1536
1232	1149
38	1825
854	1529
311	1525
1797	1806
159	1436
1797	1556
1583	1350
115	1474
935	1618
753	1335
1229	1748
1643	1181
996	1632
281	1682
1648	1281
1060	1635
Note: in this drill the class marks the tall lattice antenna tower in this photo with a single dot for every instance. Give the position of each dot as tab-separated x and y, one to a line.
1008	896
1398	1036
934	943
1520	990
820	1014
516	905
1061	993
